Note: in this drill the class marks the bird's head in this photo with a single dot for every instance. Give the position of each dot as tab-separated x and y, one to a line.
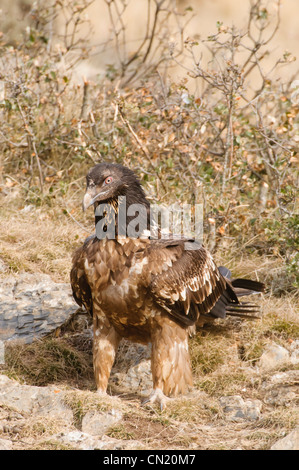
105	182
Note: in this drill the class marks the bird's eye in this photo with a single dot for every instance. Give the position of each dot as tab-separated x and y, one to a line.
108	180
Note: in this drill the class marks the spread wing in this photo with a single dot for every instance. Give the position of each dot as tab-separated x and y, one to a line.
80	287
186	281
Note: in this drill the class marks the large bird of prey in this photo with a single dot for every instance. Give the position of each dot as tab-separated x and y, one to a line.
147	289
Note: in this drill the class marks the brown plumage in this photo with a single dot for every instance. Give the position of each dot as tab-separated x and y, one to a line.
147	290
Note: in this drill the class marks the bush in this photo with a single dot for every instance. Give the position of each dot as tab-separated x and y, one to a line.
232	147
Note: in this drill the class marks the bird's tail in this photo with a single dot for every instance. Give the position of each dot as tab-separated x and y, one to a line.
247	287
243	287
229	303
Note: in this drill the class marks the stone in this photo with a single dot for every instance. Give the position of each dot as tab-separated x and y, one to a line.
83	441
295	352
281	388
3	267
139	378
78	440
5	444
289	442
132	371
110	443
98	423
273	356
32	306
237	409
28	399
2	352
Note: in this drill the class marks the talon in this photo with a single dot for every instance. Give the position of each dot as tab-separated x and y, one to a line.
157	396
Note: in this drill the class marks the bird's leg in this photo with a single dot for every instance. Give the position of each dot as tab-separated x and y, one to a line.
105	343
170	361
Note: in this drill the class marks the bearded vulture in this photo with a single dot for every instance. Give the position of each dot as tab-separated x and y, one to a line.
147	289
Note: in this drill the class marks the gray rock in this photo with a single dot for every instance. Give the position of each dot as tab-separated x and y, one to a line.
138	379
281	388
290	442
273	356
98	423
3	266
238	409
27	399
2	352
83	441
32	305
132	371
295	352
78	440
110	443
5	444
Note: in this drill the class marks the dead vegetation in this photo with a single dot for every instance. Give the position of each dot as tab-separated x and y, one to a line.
237	156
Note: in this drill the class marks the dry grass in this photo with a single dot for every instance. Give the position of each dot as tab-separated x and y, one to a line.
39	239
49	361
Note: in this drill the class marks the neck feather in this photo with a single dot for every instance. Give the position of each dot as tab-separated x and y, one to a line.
124	215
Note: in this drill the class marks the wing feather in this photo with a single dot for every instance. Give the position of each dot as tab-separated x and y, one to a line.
79	283
185	280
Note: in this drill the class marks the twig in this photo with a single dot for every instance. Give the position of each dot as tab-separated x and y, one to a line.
86	104
76	221
18	182
139	143
31	143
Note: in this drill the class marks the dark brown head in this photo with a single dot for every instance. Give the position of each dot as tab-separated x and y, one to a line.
105	182
108	185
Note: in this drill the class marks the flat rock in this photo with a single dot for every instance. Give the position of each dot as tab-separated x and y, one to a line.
273	356
132	371
32	306
5	444
97	423
295	352
237	409
3	266
84	441
32	400
281	388
290	442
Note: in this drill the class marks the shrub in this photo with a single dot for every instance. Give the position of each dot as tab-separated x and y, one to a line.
231	147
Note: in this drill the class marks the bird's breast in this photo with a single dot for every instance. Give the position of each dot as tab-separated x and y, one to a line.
117	277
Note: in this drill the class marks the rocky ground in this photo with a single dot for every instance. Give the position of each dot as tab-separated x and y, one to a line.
47	400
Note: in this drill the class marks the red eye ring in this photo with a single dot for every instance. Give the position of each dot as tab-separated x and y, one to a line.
108	180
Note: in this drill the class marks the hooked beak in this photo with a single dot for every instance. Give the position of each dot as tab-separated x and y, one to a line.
90	198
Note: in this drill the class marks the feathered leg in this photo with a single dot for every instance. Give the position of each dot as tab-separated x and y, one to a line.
105	344
170	361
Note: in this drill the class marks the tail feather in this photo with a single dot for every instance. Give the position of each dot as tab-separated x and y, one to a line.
243	309
229	304
241	292
247	316
248	284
